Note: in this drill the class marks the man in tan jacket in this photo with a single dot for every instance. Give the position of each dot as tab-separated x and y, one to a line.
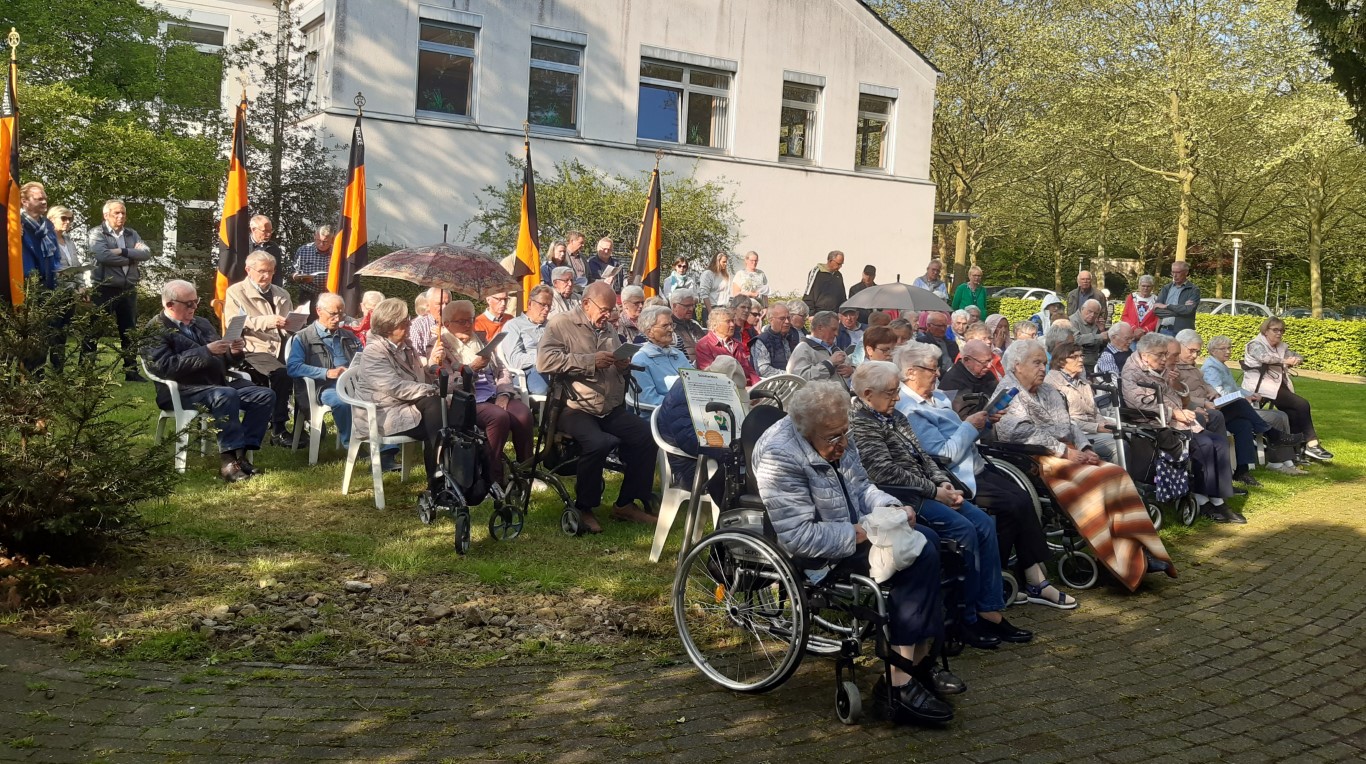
265	306
580	345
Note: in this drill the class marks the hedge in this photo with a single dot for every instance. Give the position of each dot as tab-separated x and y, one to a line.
1335	347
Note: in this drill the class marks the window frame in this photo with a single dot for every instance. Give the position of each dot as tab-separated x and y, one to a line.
687	88
313	34
889	120
811	142
553	66
449	50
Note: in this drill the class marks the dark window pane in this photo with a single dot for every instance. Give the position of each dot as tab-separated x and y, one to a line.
874	104
443	82
661	72
194	34
872	136
706	119
795	133
658	118
709	79
800	93
553	101
461	38
554	53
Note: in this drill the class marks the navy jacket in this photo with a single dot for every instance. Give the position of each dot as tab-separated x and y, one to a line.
180	358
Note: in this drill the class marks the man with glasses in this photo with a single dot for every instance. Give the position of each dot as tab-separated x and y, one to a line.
932	280
190	352
972	378
773	347
581	345
936	333
265	305
262	231
426	329
524	332
321	352
817	357
562	282
683	303
494	317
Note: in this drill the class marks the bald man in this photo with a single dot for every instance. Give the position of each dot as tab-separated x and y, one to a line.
580	345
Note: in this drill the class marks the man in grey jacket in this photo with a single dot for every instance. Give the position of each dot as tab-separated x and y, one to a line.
1092	336
817	357
117	250
1177	301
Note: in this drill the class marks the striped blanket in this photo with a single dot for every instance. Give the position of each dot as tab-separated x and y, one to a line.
1102	501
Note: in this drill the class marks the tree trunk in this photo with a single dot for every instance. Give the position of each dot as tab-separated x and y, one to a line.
960	248
1183	216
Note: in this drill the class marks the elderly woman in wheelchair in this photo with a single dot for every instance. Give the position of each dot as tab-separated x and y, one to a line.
815	493
1099	497
898	464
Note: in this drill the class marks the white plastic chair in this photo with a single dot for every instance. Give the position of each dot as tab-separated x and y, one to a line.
781	385
346	390
673	496
316	411
182	417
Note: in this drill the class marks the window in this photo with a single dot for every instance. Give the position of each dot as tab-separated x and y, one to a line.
192	70
445	69
797	125
312	73
874	117
682	104
553	99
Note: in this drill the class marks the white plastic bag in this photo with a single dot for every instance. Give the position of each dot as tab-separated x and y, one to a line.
895	542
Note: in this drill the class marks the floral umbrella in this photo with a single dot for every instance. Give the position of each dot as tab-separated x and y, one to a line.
463	270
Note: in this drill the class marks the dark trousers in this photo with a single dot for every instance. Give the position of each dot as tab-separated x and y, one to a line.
429	432
122	303
241	412
497	424
975	532
1245	424
1017	520
1297	408
1209	456
915	602
597	436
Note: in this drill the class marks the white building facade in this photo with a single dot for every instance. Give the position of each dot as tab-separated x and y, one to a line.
815	114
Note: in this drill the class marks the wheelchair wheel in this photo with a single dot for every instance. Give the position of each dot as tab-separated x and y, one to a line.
740	611
569	521
1189	509
462	530
426	508
505	522
1155	514
1010	588
848	703
1078	570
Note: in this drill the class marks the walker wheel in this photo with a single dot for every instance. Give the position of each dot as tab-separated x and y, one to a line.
1189	508
569	521
848	703
1155	514
426	508
505	523
462	531
1010	588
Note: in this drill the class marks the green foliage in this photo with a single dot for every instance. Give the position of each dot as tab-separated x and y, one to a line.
1014	309
70	470
178	645
1340	37
699	218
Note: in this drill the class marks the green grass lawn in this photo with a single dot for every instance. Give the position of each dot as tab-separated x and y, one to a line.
216	544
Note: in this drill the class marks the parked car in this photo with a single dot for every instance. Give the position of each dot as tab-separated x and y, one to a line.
1355	312
1223	308
1024	293
1308	313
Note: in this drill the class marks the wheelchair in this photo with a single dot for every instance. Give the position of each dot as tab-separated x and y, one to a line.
747	616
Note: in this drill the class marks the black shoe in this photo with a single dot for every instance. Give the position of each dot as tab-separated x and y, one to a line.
1005	631
246	466
281	439
1235	516
1318	453
1291	439
232	473
910	703
1217	514
1246	478
938	679
1239	491
1155	565
975	636
133	376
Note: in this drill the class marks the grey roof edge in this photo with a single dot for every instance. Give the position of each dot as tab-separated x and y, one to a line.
898	35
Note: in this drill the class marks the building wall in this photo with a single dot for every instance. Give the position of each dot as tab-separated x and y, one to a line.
426	171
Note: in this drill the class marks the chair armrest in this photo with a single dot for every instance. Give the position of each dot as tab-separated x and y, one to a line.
1013	449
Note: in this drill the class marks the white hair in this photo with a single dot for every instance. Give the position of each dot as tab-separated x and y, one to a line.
1058	332
960	314
434	293
109	205
1018	351
817	402
798	307
650	316
176	289
1219	342
370	299
824	320
632	291
561	272
916	354
331	298
679	296
1145	279
261	256
874	375
1188	337
1152	341
715	316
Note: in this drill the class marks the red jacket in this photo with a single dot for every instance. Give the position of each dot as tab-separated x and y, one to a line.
1130	316
710	347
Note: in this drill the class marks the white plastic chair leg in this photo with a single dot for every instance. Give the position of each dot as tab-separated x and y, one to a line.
378	474
182	447
351	453
672	499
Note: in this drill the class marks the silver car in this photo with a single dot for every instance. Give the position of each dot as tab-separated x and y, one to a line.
1225	307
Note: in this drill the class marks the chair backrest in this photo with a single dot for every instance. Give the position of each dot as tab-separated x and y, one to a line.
664	446
147	372
782	385
758	421
346	388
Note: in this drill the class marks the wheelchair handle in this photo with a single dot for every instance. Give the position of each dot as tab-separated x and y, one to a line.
443	382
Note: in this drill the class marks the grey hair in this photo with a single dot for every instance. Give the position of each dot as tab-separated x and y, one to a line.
824	319
257	220
1025	324
538	290
370	299
1219	342
1188	337
632	291
1058	332
715	316
1118	329
324	230
724	364
1089	303
331	298
658	300
976	330
109	205
678	296
957	314
435	292
1018	351
455	307
1152	341
650	316
871	375
798	307
1145	279
261	256
817	402
386	317
560	272
174	289
916	354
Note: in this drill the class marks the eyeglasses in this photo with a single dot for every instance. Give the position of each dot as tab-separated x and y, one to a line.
466	320
977	360
493	297
188	303
604	309
835	440
634	302
1277	330
545	305
931	369
884	349
67	218
688	305
331	312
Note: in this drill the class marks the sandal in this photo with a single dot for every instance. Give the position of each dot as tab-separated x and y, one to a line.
1036	596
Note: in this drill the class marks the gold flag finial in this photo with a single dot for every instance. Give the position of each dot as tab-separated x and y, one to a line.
359	101
526	131
659	154
13	40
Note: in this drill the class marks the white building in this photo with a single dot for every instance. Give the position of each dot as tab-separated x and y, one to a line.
816	113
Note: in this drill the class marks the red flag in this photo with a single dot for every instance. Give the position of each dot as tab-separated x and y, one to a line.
349	253
234	232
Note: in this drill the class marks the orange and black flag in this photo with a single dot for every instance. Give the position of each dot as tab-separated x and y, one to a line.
12	247
527	266
234	232
645	265
349	253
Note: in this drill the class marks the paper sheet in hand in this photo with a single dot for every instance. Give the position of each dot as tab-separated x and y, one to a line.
626	352
492	345
714	429
609	273
235	326
1224	400
297	318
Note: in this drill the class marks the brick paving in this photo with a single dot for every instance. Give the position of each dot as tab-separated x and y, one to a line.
1255	654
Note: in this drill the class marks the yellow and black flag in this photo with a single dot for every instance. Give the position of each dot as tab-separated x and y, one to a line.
645	264
234	231
527	265
349	252
12	248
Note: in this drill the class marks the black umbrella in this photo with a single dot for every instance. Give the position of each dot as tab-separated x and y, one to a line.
896	296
